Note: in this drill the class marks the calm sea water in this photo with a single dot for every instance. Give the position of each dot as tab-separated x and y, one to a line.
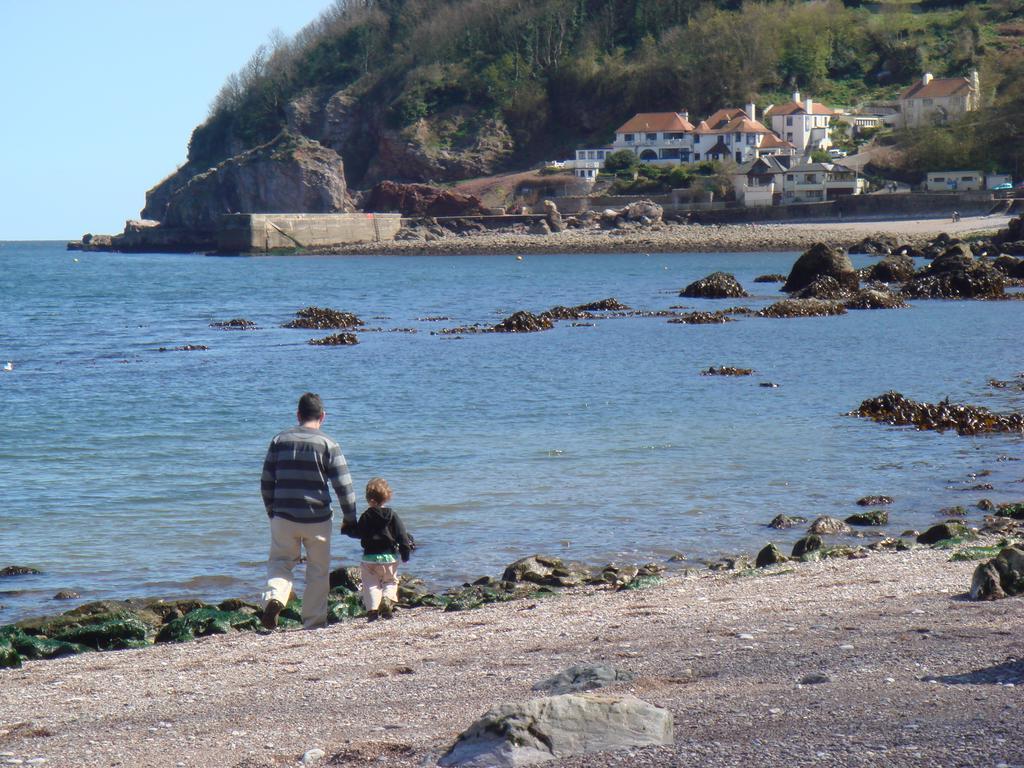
126	471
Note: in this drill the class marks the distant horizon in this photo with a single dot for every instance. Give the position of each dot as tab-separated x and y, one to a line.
108	95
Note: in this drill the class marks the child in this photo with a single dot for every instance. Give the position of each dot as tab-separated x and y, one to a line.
382	535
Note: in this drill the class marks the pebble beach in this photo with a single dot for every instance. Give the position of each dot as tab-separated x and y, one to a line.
675	238
879	661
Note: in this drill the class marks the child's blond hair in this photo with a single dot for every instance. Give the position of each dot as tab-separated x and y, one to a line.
378	491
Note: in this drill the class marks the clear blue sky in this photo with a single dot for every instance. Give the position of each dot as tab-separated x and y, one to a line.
99	99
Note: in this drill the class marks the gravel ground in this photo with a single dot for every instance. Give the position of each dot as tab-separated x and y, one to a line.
916	676
673	238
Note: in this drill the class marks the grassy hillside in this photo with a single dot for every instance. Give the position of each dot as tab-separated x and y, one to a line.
555	74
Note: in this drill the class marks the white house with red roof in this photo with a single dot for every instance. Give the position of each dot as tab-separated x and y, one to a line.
936	100
804	124
656	136
735	134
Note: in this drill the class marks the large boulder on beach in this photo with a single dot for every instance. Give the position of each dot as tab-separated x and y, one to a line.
806	545
821	259
717	285
547	571
290	173
558	727
943	532
956	274
1001	576
420	200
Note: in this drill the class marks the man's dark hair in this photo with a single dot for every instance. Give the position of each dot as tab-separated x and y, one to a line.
311	407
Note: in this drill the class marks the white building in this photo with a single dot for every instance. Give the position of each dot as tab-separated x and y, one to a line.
804	124
735	134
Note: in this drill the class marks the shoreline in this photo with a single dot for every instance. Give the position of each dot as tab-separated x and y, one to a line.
725	654
678	238
660	237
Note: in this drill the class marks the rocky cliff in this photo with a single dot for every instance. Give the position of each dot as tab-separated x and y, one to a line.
289	174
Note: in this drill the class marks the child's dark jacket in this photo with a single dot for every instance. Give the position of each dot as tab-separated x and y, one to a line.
381	532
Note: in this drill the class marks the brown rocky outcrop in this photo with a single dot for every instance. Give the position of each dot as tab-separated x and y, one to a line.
892	269
440	148
956	274
291	174
823	287
420	200
821	259
718	285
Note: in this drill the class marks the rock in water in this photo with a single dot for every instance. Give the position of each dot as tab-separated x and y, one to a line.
875	517
956	274
871	298
717	285
823	287
892	269
580	678
19	570
523	322
825	526
820	259
1001	576
556	727
290	173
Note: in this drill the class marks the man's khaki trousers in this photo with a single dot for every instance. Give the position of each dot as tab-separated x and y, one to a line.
287	538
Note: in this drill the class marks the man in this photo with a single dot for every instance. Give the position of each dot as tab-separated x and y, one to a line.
299	464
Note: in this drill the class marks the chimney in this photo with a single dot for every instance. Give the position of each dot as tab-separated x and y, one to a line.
927	78
796	96
975	82
685	114
809	107
751	110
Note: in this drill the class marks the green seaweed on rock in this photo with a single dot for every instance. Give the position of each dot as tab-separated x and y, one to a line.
206	621
111	635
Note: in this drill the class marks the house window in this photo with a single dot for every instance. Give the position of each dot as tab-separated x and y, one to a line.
696	139
789	137
628	137
967	178
751	139
789	120
789	177
696	155
738	135
926	102
652	137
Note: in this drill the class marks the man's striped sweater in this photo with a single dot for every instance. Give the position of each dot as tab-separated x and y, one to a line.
299	464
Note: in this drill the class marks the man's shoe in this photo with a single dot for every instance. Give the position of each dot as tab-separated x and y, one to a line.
387	608
270	613
372	616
